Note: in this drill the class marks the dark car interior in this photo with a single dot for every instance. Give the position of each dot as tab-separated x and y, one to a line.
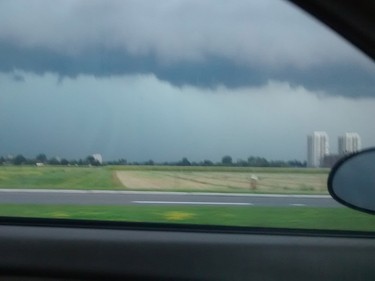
49	249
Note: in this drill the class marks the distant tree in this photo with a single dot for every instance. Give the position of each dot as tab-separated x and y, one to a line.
278	163
54	161
207	163
41	158
19	160
257	162
296	163
121	161
241	163
227	160
184	162
64	162
150	162
2	160
30	161
92	161
73	162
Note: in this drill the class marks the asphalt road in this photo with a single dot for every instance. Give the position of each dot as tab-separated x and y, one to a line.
11	196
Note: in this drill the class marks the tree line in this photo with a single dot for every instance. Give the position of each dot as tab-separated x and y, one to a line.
226	160
43	159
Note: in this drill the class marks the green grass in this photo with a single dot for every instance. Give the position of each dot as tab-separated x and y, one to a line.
58	177
166	178
284	217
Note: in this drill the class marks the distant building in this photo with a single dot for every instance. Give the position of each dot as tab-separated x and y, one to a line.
349	143
98	157
317	148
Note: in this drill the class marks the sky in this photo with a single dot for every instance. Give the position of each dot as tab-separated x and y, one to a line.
164	80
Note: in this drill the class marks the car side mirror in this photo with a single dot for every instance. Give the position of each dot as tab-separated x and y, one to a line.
352	181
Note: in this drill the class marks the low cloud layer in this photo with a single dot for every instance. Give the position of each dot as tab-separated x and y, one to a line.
141	118
205	44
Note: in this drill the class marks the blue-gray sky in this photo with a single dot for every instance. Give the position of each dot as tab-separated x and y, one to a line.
164	80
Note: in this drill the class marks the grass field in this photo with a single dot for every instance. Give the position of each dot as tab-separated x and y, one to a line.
58	178
295	217
167	178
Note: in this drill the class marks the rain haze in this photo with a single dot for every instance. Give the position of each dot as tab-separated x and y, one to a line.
163	80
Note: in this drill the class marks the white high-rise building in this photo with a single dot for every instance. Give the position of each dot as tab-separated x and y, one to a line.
317	148
349	143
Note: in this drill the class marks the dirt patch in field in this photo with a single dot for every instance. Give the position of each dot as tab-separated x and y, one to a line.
227	181
156	180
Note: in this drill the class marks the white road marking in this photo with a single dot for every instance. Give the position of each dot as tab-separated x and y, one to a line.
298	205
74	191
191	203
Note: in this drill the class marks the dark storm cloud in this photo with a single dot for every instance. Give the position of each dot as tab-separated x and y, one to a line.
199	43
18	78
338	79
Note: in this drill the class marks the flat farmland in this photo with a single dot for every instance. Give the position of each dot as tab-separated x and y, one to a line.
167	178
58	177
224	181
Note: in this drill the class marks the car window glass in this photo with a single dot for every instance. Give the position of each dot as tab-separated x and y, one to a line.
199	112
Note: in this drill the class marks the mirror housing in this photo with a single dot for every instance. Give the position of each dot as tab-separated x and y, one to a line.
351	181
